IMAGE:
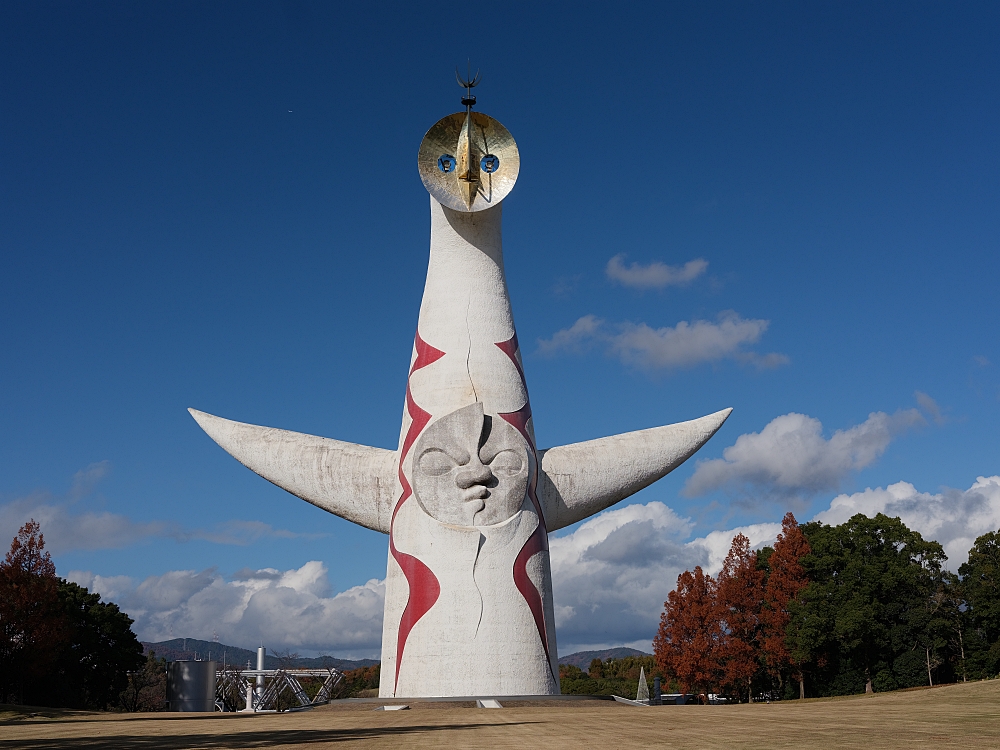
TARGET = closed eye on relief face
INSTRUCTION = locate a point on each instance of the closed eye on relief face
(436, 463)
(506, 462)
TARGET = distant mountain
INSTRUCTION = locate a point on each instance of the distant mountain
(191, 648)
(582, 659)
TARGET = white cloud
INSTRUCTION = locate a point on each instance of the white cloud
(930, 407)
(613, 573)
(952, 517)
(240, 532)
(655, 275)
(791, 457)
(65, 530)
(292, 609)
(611, 576)
(717, 543)
(85, 480)
(110, 588)
(688, 344)
(582, 332)
(684, 345)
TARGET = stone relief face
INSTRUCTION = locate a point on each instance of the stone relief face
(470, 469)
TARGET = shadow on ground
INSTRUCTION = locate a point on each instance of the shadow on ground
(248, 739)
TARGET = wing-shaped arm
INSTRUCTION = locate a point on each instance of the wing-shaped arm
(582, 479)
(351, 481)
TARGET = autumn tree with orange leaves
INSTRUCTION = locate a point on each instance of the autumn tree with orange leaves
(719, 634)
(740, 592)
(687, 644)
(32, 622)
(785, 582)
(863, 606)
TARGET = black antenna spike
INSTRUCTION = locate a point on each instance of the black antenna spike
(468, 83)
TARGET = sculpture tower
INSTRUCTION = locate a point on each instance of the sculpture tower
(467, 499)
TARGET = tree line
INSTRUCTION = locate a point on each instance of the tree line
(866, 606)
(608, 677)
(61, 646)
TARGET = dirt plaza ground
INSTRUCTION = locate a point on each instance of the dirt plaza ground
(959, 716)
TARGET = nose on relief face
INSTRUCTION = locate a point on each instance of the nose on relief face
(470, 469)
(474, 474)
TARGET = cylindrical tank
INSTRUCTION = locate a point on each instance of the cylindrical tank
(191, 686)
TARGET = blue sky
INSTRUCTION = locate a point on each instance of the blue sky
(217, 205)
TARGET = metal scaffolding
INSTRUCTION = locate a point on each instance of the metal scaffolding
(259, 689)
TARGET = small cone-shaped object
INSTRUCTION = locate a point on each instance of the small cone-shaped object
(642, 694)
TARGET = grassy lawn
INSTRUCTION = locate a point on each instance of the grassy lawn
(959, 716)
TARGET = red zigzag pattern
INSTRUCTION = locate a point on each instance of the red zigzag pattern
(539, 539)
(424, 588)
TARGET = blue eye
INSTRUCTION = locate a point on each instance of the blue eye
(446, 163)
(490, 163)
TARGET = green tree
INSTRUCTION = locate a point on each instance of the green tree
(941, 628)
(611, 677)
(981, 591)
(865, 611)
(101, 650)
(596, 669)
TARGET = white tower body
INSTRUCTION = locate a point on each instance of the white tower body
(468, 608)
(467, 499)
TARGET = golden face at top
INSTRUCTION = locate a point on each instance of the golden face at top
(468, 161)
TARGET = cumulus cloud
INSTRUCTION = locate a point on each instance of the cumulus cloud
(109, 587)
(717, 543)
(953, 517)
(655, 275)
(684, 345)
(291, 609)
(790, 456)
(611, 576)
(613, 573)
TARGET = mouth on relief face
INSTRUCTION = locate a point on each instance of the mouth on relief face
(474, 493)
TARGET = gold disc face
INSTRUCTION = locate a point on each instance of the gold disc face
(468, 173)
